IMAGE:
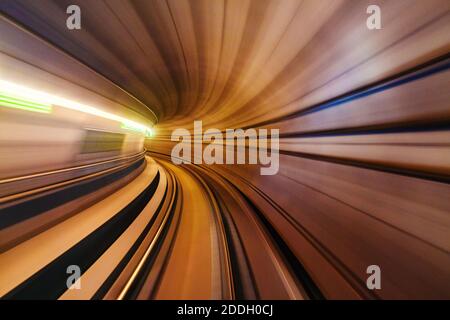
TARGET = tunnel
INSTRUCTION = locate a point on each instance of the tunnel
(224, 149)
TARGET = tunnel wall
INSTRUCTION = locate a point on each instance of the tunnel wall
(363, 118)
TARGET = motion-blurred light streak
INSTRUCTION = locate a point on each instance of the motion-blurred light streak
(44, 98)
(11, 102)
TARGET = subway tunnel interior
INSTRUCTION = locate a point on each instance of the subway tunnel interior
(348, 174)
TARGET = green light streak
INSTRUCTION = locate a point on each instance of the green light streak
(21, 101)
(24, 107)
(149, 133)
(146, 131)
(16, 103)
(13, 103)
(133, 128)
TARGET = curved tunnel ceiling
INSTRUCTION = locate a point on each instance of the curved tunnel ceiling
(240, 63)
